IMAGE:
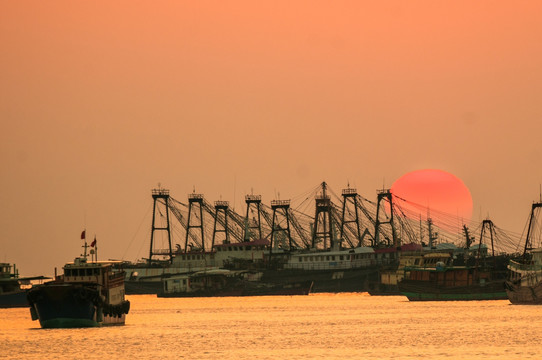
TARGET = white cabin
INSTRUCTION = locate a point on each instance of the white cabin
(359, 257)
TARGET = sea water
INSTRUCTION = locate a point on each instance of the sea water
(324, 326)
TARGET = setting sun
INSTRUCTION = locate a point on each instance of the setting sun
(436, 190)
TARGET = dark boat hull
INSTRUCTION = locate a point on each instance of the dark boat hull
(14, 299)
(69, 306)
(524, 295)
(324, 281)
(327, 281)
(421, 291)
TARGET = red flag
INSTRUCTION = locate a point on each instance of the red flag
(83, 235)
(92, 244)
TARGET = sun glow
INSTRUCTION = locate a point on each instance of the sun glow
(433, 191)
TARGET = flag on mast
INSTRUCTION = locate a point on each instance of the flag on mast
(92, 244)
(83, 235)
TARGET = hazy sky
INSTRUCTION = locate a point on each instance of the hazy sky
(102, 100)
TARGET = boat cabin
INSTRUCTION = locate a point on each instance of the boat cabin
(99, 272)
(451, 276)
(527, 274)
(356, 258)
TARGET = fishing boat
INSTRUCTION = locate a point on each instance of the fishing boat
(444, 283)
(222, 282)
(13, 289)
(524, 283)
(330, 270)
(87, 294)
(478, 276)
(410, 255)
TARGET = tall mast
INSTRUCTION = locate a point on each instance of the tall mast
(253, 201)
(528, 241)
(280, 207)
(382, 195)
(322, 220)
(350, 194)
(160, 196)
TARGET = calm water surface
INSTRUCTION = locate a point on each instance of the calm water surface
(326, 326)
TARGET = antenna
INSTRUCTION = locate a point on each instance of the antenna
(234, 189)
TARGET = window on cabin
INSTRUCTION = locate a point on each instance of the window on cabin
(300, 259)
(341, 257)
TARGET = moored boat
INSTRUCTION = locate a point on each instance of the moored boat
(411, 255)
(524, 282)
(222, 282)
(87, 294)
(478, 275)
(445, 283)
(13, 289)
(524, 285)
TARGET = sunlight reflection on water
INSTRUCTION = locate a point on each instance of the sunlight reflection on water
(330, 326)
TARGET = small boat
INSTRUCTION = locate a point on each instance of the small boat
(13, 289)
(87, 294)
(223, 282)
(524, 283)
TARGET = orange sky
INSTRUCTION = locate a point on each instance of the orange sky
(100, 101)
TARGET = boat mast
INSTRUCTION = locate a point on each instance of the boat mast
(322, 218)
(253, 201)
(85, 246)
(280, 207)
(350, 194)
(193, 200)
(385, 194)
(487, 224)
(221, 212)
(432, 235)
(157, 195)
(528, 242)
(468, 239)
